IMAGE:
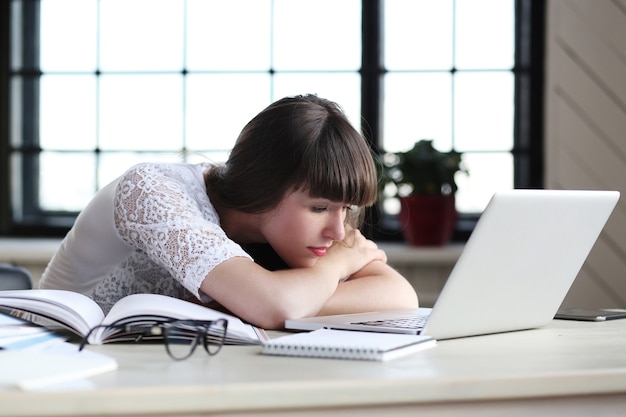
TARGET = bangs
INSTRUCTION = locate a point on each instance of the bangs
(339, 167)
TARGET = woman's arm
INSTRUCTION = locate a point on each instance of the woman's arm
(375, 287)
(267, 298)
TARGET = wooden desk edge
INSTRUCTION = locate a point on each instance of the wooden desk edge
(240, 397)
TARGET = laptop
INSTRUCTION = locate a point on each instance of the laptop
(513, 274)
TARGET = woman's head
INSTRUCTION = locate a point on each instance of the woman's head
(301, 143)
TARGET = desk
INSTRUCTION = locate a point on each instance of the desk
(565, 368)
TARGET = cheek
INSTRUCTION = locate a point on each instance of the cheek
(283, 230)
(295, 232)
(290, 237)
(294, 222)
(286, 225)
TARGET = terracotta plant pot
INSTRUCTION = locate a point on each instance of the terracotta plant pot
(428, 220)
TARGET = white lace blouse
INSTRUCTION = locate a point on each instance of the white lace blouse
(153, 230)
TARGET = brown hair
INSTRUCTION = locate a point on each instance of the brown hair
(302, 142)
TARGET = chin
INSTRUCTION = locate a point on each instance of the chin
(302, 263)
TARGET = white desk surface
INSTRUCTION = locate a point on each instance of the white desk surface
(565, 368)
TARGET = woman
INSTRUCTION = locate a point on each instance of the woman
(295, 182)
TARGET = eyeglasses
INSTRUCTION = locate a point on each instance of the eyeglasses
(179, 336)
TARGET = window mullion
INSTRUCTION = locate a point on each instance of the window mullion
(371, 70)
(28, 96)
(5, 180)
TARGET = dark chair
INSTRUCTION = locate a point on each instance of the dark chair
(14, 278)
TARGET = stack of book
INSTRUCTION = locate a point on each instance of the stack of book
(33, 357)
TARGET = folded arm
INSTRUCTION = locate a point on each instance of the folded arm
(266, 298)
(375, 287)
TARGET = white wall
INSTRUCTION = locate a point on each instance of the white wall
(585, 129)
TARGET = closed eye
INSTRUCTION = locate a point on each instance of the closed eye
(321, 209)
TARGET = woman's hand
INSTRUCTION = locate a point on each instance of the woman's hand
(353, 253)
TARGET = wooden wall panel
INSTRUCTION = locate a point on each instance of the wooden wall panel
(586, 129)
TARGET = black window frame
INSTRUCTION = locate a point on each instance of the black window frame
(528, 122)
(528, 125)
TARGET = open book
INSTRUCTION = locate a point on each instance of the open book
(79, 313)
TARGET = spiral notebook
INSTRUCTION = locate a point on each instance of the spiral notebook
(348, 344)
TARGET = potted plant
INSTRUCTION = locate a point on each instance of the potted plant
(423, 179)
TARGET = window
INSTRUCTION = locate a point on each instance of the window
(96, 86)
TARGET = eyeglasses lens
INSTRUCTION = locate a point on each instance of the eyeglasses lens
(214, 336)
(181, 339)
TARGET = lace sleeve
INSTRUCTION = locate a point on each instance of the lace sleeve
(165, 213)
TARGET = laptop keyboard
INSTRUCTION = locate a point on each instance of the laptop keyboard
(415, 322)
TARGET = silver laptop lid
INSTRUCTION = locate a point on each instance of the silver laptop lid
(520, 261)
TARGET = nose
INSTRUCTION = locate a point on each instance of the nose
(335, 228)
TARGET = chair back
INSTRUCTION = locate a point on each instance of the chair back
(14, 278)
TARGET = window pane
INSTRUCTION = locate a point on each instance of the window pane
(141, 112)
(344, 89)
(67, 181)
(488, 173)
(317, 35)
(68, 35)
(215, 114)
(17, 118)
(206, 156)
(228, 35)
(16, 45)
(67, 112)
(483, 111)
(485, 31)
(141, 35)
(418, 34)
(417, 106)
(112, 165)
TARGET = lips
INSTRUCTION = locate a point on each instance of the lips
(319, 251)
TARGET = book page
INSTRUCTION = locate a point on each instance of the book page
(24, 369)
(20, 334)
(74, 310)
(142, 305)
